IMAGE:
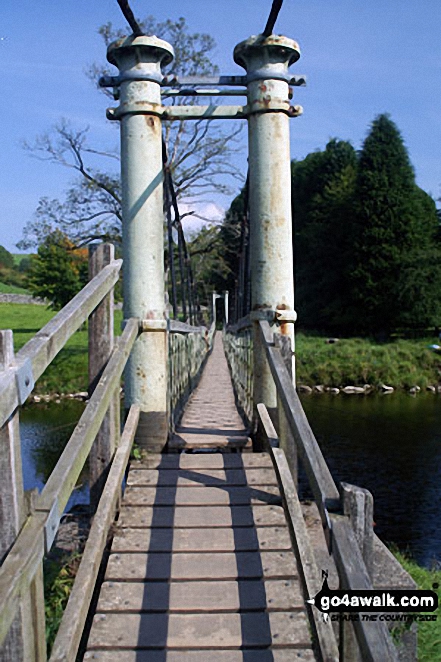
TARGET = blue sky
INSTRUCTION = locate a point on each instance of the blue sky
(361, 59)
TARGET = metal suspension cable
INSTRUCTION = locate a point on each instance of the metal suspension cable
(130, 18)
(272, 18)
(187, 281)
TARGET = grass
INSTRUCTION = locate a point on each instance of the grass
(12, 289)
(357, 361)
(351, 361)
(429, 633)
(59, 576)
(68, 371)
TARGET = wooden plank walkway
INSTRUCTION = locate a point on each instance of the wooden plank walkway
(201, 567)
(211, 419)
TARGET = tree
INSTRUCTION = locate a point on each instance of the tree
(396, 278)
(58, 271)
(6, 259)
(322, 201)
(199, 157)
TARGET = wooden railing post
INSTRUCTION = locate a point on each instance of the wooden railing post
(101, 343)
(26, 638)
(358, 505)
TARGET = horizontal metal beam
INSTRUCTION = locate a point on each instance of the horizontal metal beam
(172, 81)
(208, 92)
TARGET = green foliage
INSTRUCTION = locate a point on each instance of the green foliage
(6, 258)
(322, 199)
(5, 288)
(68, 371)
(396, 274)
(358, 361)
(59, 577)
(429, 633)
(58, 272)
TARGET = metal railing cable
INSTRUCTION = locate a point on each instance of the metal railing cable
(189, 296)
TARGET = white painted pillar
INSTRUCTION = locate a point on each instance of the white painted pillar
(139, 61)
(266, 61)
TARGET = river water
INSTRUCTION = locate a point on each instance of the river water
(389, 444)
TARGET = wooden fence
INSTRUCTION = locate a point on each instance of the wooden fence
(27, 533)
(346, 511)
(189, 347)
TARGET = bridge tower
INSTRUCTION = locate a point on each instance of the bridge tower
(266, 61)
(139, 60)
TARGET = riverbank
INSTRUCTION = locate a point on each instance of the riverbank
(366, 365)
(429, 632)
(349, 362)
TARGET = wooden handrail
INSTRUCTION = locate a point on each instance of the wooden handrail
(37, 354)
(22, 562)
(322, 484)
(309, 572)
(181, 327)
(74, 617)
(373, 637)
(55, 495)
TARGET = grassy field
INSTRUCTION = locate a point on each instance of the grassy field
(68, 372)
(12, 289)
(358, 361)
(429, 633)
(353, 361)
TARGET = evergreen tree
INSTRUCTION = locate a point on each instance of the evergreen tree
(396, 274)
(322, 194)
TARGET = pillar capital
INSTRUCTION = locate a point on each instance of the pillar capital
(266, 58)
(140, 58)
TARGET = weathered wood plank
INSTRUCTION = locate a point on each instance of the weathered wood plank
(305, 555)
(204, 461)
(101, 343)
(201, 496)
(358, 505)
(300, 538)
(244, 655)
(372, 636)
(243, 539)
(199, 596)
(319, 476)
(46, 344)
(181, 327)
(221, 440)
(201, 477)
(187, 566)
(71, 628)
(204, 517)
(63, 478)
(19, 569)
(187, 631)
(12, 507)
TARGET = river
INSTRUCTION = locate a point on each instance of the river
(389, 444)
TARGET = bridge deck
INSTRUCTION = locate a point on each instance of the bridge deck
(211, 419)
(201, 566)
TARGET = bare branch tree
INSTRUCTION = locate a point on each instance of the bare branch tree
(201, 153)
